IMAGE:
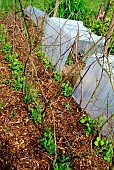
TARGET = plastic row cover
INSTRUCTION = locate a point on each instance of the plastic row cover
(36, 15)
(59, 36)
(94, 90)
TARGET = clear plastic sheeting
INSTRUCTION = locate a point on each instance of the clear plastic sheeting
(56, 43)
(36, 15)
(94, 90)
(60, 35)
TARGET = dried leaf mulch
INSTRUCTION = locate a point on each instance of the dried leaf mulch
(20, 147)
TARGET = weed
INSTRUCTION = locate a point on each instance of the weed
(17, 68)
(34, 94)
(35, 113)
(61, 164)
(100, 28)
(50, 6)
(16, 73)
(27, 96)
(15, 65)
(24, 29)
(67, 106)
(67, 89)
(6, 6)
(57, 77)
(104, 148)
(97, 26)
(47, 141)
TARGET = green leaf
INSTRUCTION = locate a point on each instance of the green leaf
(96, 143)
(102, 142)
(98, 139)
(108, 159)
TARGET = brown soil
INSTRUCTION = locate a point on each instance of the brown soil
(20, 148)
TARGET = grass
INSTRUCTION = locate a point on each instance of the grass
(6, 5)
(93, 5)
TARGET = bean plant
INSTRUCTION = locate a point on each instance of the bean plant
(61, 164)
(47, 141)
(103, 146)
(57, 77)
(36, 115)
(66, 89)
